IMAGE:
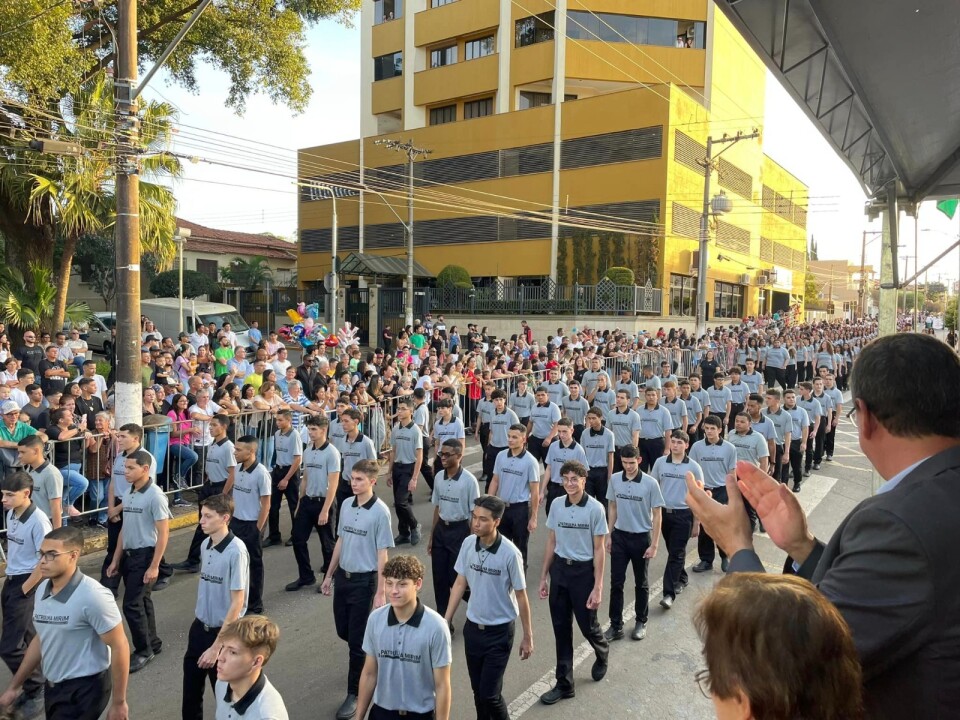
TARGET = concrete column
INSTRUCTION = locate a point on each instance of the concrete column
(888, 298)
(505, 40)
(559, 87)
(374, 305)
(341, 309)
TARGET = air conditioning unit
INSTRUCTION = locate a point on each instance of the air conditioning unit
(763, 279)
(745, 279)
(772, 276)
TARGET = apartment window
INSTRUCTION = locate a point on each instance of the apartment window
(387, 10)
(534, 29)
(441, 115)
(567, 97)
(478, 108)
(683, 295)
(388, 66)
(612, 27)
(209, 268)
(443, 56)
(727, 300)
(438, 3)
(530, 99)
(480, 47)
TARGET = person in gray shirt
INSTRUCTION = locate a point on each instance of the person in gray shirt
(676, 406)
(752, 378)
(836, 397)
(575, 407)
(521, 401)
(556, 389)
(447, 427)
(251, 497)
(721, 399)
(694, 410)
(516, 476)
(751, 446)
(717, 459)
(285, 475)
(355, 447)
(242, 689)
(574, 562)
(47, 480)
(598, 447)
(783, 428)
(775, 365)
(500, 421)
(799, 437)
(604, 396)
(406, 457)
(560, 452)
(591, 377)
(648, 380)
(543, 424)
(626, 383)
(815, 414)
(140, 548)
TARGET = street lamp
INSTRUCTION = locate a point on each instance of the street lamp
(180, 238)
(719, 205)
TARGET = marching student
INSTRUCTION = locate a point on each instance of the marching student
(251, 499)
(627, 384)
(521, 401)
(80, 645)
(557, 391)
(739, 391)
(783, 433)
(565, 449)
(407, 668)
(484, 409)
(836, 396)
(717, 459)
(542, 428)
(406, 457)
(624, 422)
(490, 567)
(242, 690)
(721, 399)
(47, 481)
(694, 410)
(285, 476)
(598, 448)
(221, 599)
(354, 447)
(798, 436)
(501, 419)
(814, 415)
(575, 407)
(703, 396)
(140, 547)
(454, 491)
(421, 418)
(674, 405)
(357, 564)
(752, 379)
(446, 427)
(516, 475)
(656, 423)
(572, 577)
(317, 508)
(635, 517)
(826, 420)
(27, 525)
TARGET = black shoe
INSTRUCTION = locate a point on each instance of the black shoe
(298, 584)
(796, 487)
(270, 542)
(599, 669)
(415, 535)
(186, 566)
(348, 708)
(138, 662)
(724, 564)
(160, 584)
(401, 540)
(666, 602)
(614, 632)
(639, 631)
(288, 543)
(702, 566)
(158, 649)
(556, 694)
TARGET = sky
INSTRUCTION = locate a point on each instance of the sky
(266, 201)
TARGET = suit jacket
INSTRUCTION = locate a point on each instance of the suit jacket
(893, 571)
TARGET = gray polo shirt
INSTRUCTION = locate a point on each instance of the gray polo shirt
(499, 425)
(801, 421)
(835, 396)
(24, 536)
(262, 702)
(693, 407)
(484, 409)
(318, 463)
(716, 460)
(119, 473)
(220, 458)
(249, 485)
(826, 402)
(576, 410)
(224, 568)
(750, 447)
(575, 525)
(597, 445)
(590, 380)
(452, 430)
(764, 427)
(631, 387)
(813, 408)
(678, 412)
(543, 418)
(623, 425)
(719, 397)
(650, 383)
(739, 392)
(353, 452)
(752, 380)
(605, 400)
(454, 496)
(522, 405)
(654, 423)
(777, 357)
(47, 485)
(70, 624)
(421, 418)
(288, 445)
(557, 392)
(636, 498)
(142, 510)
(364, 530)
(557, 455)
(515, 473)
(493, 574)
(407, 653)
(673, 479)
(704, 397)
(405, 440)
(782, 423)
(336, 434)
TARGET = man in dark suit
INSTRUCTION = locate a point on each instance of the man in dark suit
(891, 566)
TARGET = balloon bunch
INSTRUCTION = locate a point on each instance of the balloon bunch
(348, 335)
(306, 332)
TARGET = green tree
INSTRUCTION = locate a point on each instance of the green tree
(195, 284)
(811, 292)
(950, 314)
(620, 275)
(96, 261)
(251, 274)
(27, 302)
(454, 276)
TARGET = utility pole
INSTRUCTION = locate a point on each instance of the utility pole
(863, 280)
(412, 152)
(720, 207)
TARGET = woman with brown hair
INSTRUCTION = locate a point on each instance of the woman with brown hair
(776, 649)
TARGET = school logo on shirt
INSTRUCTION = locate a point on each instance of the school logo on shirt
(354, 530)
(387, 654)
(211, 578)
(51, 619)
(573, 525)
(479, 567)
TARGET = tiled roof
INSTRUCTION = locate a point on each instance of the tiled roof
(240, 244)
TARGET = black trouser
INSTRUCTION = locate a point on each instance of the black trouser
(113, 535)
(425, 469)
(199, 640)
(484, 433)
(536, 448)
(514, 526)
(820, 442)
(706, 548)
(775, 375)
(489, 460)
(137, 602)
(379, 713)
(791, 376)
(291, 493)
(344, 491)
(488, 649)
(597, 478)
(249, 534)
(208, 489)
(554, 491)
(352, 602)
(808, 454)
(627, 548)
(403, 498)
(734, 409)
(781, 471)
(829, 440)
(577, 432)
(447, 539)
(796, 462)
(306, 521)
(82, 698)
(571, 583)
(650, 450)
(18, 629)
(676, 528)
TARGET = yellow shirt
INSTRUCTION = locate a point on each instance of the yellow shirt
(253, 379)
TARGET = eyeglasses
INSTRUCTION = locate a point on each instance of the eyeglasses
(571, 479)
(52, 555)
(852, 415)
(703, 682)
(448, 454)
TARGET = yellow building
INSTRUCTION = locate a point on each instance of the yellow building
(517, 186)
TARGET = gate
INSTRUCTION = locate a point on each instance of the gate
(357, 312)
(391, 311)
(266, 307)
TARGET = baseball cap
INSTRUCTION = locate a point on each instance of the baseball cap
(9, 406)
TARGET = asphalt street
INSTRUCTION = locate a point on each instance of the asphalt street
(653, 678)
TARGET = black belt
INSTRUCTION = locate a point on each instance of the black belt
(519, 504)
(478, 626)
(138, 551)
(84, 679)
(209, 628)
(572, 563)
(399, 464)
(671, 511)
(315, 497)
(357, 575)
(452, 523)
(628, 532)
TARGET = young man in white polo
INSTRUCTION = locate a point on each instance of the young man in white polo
(718, 461)
(516, 480)
(405, 460)
(251, 499)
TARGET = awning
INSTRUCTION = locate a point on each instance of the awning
(367, 264)
(879, 78)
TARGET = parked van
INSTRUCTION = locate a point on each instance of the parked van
(164, 312)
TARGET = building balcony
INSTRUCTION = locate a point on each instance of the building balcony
(532, 63)
(462, 79)
(622, 62)
(464, 17)
(387, 95)
(387, 37)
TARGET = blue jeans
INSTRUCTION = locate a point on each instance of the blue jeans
(75, 484)
(98, 497)
(182, 459)
(265, 452)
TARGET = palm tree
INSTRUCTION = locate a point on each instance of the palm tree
(66, 196)
(29, 305)
(249, 274)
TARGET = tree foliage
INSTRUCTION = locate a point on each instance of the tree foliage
(195, 284)
(620, 275)
(96, 260)
(251, 274)
(454, 276)
(950, 313)
(27, 302)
